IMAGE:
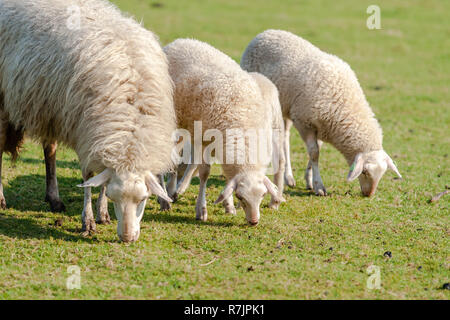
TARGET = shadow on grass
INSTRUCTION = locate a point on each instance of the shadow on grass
(59, 163)
(216, 181)
(26, 228)
(298, 192)
(173, 217)
(27, 193)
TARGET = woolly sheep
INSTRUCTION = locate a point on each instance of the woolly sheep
(212, 88)
(270, 95)
(321, 95)
(102, 88)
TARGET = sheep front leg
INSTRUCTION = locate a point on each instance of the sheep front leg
(228, 204)
(313, 146)
(87, 217)
(102, 207)
(279, 175)
(309, 171)
(52, 192)
(163, 204)
(201, 212)
(288, 175)
(183, 184)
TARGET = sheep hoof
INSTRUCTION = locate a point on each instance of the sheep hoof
(57, 206)
(201, 214)
(321, 192)
(274, 205)
(103, 218)
(3, 203)
(230, 210)
(164, 205)
(88, 227)
(174, 197)
(290, 181)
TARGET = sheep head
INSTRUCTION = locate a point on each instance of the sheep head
(250, 188)
(129, 193)
(369, 167)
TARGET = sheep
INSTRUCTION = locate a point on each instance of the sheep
(102, 88)
(212, 88)
(321, 95)
(270, 95)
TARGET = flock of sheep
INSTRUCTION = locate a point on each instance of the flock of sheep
(110, 92)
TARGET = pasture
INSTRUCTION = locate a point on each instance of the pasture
(312, 248)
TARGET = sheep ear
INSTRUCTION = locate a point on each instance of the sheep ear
(155, 188)
(356, 168)
(98, 180)
(391, 165)
(273, 190)
(227, 192)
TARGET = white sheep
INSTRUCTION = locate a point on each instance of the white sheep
(321, 95)
(212, 88)
(270, 95)
(97, 82)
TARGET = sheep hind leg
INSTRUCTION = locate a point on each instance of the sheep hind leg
(52, 192)
(201, 212)
(87, 217)
(102, 207)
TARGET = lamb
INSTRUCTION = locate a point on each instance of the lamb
(212, 88)
(321, 95)
(103, 89)
(270, 95)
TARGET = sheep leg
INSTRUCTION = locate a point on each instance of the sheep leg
(3, 129)
(102, 207)
(87, 217)
(52, 192)
(2, 197)
(201, 213)
(163, 204)
(313, 145)
(288, 175)
(279, 175)
(185, 181)
(309, 170)
(172, 183)
(228, 204)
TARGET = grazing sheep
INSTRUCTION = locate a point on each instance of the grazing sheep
(101, 87)
(321, 95)
(270, 95)
(212, 88)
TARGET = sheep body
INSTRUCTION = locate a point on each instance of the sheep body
(81, 73)
(212, 88)
(321, 95)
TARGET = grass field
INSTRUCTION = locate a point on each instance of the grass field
(312, 248)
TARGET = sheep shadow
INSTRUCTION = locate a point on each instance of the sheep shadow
(172, 217)
(26, 228)
(27, 193)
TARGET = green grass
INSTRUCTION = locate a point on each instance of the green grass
(313, 248)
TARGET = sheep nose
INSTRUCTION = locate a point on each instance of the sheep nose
(128, 238)
(253, 223)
